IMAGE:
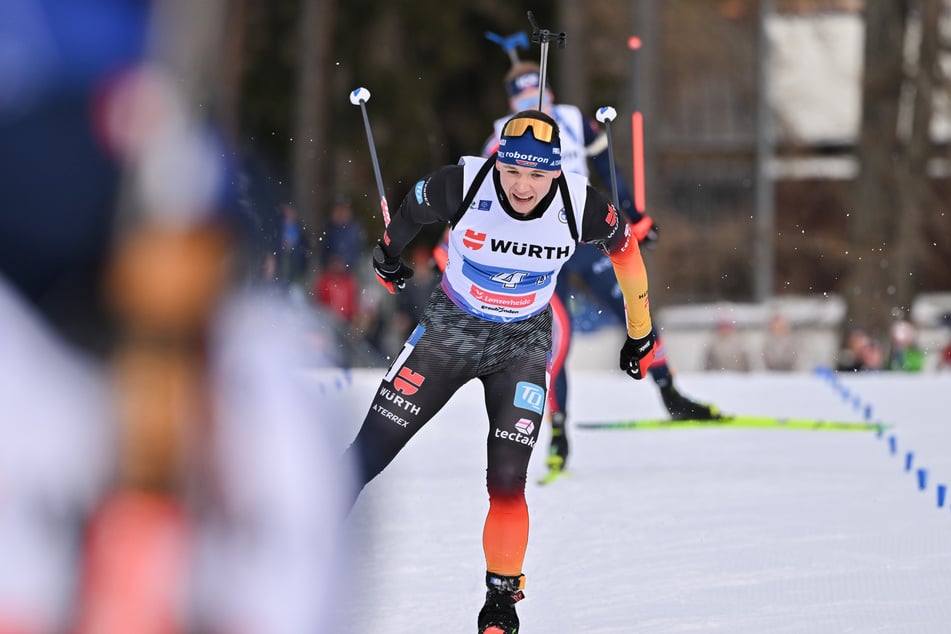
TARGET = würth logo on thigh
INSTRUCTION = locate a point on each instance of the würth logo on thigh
(408, 382)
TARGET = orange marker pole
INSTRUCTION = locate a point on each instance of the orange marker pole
(637, 135)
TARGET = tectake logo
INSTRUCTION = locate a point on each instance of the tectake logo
(522, 435)
(525, 426)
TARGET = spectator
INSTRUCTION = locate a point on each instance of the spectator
(344, 235)
(412, 300)
(725, 351)
(293, 254)
(944, 363)
(905, 355)
(861, 353)
(336, 289)
(370, 329)
(780, 349)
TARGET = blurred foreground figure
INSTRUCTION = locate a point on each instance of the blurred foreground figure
(163, 468)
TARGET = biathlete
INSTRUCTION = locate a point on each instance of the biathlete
(583, 140)
(514, 220)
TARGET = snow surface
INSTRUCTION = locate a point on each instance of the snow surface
(691, 530)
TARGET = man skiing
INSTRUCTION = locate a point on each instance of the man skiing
(581, 140)
(514, 220)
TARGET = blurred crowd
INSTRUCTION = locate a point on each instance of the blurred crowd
(331, 274)
(901, 353)
(779, 351)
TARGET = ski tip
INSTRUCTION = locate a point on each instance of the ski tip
(552, 476)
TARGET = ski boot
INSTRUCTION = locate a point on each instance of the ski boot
(682, 408)
(498, 615)
(558, 449)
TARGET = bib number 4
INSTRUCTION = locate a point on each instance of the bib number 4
(509, 279)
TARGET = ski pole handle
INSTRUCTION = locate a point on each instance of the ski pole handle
(543, 37)
(359, 97)
(606, 115)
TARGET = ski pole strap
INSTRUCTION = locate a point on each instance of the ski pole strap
(569, 210)
(473, 189)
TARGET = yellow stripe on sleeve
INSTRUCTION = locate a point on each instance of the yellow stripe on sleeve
(632, 278)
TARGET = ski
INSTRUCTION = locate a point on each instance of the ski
(750, 422)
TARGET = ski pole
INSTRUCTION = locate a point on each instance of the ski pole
(606, 115)
(359, 97)
(510, 44)
(544, 37)
(637, 134)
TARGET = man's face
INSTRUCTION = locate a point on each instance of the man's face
(528, 100)
(524, 187)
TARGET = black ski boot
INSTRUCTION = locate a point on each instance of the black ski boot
(498, 615)
(558, 449)
(682, 408)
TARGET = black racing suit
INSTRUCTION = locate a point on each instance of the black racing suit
(451, 346)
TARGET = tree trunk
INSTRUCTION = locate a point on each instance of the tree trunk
(234, 47)
(914, 190)
(570, 79)
(868, 290)
(311, 188)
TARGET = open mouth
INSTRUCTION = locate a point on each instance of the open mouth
(522, 199)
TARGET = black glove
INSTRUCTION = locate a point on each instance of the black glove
(637, 355)
(391, 272)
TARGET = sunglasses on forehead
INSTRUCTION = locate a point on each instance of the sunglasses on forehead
(541, 130)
